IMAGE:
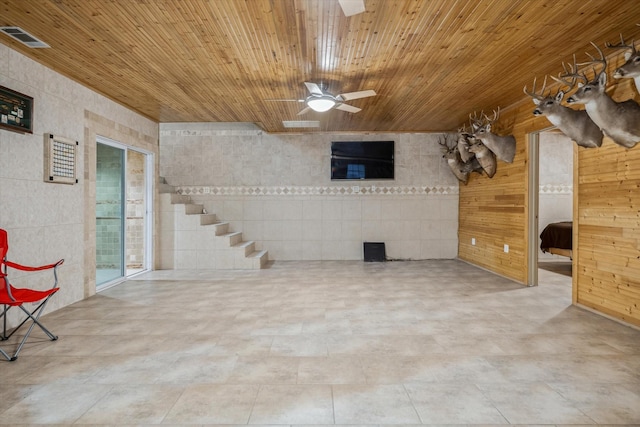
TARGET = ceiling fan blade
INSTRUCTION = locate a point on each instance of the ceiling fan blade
(304, 111)
(347, 107)
(356, 95)
(351, 7)
(313, 88)
(285, 100)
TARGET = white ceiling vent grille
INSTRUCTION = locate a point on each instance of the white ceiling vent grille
(301, 123)
(23, 37)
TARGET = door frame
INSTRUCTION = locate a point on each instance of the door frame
(148, 209)
(533, 209)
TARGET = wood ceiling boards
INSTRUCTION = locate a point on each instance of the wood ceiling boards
(430, 62)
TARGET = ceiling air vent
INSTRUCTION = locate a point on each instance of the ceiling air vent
(23, 37)
(301, 123)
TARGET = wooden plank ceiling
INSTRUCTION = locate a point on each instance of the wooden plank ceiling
(431, 62)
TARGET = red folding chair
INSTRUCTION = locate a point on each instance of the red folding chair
(18, 297)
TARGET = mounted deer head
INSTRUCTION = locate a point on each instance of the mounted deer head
(620, 121)
(485, 157)
(504, 147)
(459, 168)
(464, 141)
(575, 124)
(631, 68)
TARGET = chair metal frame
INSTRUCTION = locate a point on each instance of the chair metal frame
(18, 297)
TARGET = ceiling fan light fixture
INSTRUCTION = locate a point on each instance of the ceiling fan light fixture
(321, 103)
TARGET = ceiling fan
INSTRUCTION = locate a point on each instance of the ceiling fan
(321, 101)
(351, 7)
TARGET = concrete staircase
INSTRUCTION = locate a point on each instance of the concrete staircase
(192, 239)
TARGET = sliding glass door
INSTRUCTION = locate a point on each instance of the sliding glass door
(123, 214)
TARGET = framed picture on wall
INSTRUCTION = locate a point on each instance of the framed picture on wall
(16, 111)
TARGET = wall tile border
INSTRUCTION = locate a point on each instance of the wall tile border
(377, 190)
(556, 189)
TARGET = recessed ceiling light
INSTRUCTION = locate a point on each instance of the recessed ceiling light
(301, 123)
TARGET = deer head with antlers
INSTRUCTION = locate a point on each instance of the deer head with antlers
(631, 68)
(620, 121)
(575, 124)
(504, 147)
(464, 142)
(485, 157)
(459, 168)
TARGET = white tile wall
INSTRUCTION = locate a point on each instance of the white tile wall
(48, 221)
(276, 190)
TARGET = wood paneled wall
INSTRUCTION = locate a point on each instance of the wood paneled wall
(606, 215)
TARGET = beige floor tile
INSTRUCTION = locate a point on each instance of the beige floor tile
(534, 403)
(54, 404)
(265, 370)
(453, 404)
(331, 370)
(373, 404)
(213, 404)
(604, 403)
(293, 404)
(198, 369)
(133, 404)
(324, 343)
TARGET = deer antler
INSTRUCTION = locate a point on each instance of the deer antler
(444, 143)
(623, 45)
(496, 115)
(476, 121)
(571, 72)
(533, 93)
(595, 61)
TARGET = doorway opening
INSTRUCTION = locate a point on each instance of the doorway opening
(551, 199)
(123, 212)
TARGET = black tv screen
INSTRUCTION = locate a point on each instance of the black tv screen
(362, 160)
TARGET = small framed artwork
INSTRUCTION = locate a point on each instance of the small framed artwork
(60, 157)
(16, 111)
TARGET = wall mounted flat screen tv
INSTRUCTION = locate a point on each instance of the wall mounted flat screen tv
(362, 160)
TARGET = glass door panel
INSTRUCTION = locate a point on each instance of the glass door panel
(109, 214)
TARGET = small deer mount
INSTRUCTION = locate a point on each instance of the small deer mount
(504, 147)
(461, 170)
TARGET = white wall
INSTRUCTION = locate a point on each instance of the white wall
(47, 221)
(277, 190)
(556, 184)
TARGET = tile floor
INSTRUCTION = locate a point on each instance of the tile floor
(327, 343)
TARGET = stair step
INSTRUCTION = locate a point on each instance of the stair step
(193, 209)
(163, 187)
(234, 237)
(258, 259)
(208, 219)
(257, 254)
(222, 228)
(180, 199)
(248, 246)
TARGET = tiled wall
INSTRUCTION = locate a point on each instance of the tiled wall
(48, 221)
(556, 184)
(276, 189)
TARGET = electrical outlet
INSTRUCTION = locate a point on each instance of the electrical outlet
(473, 241)
(355, 188)
(506, 249)
(373, 188)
